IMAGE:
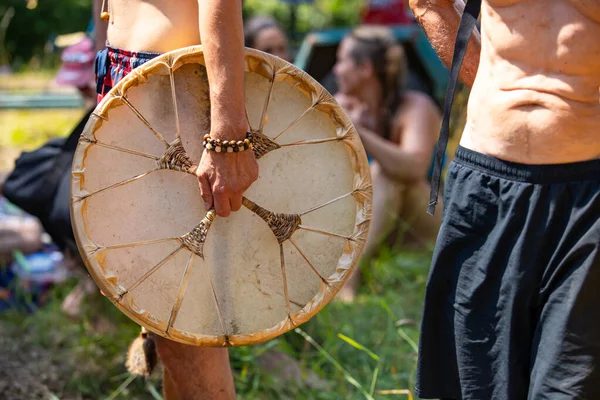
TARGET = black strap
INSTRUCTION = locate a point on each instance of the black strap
(465, 29)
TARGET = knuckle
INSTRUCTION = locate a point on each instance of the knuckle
(221, 190)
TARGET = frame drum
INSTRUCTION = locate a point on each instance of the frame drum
(188, 275)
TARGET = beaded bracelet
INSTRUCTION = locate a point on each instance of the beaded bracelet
(227, 146)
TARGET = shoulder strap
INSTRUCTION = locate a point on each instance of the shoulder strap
(467, 23)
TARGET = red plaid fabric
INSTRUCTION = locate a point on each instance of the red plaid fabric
(113, 64)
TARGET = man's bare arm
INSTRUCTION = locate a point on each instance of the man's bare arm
(440, 20)
(223, 177)
(100, 27)
(221, 32)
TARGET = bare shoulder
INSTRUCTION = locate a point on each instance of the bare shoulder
(416, 102)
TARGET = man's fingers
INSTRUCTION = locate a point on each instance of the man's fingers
(222, 205)
(236, 202)
(205, 192)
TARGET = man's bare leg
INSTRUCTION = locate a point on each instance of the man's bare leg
(195, 373)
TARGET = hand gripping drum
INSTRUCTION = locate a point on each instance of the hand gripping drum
(186, 274)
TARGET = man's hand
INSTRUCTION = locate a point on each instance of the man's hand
(223, 178)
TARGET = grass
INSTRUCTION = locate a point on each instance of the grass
(31, 80)
(26, 130)
(364, 350)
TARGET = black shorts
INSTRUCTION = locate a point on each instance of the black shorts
(512, 307)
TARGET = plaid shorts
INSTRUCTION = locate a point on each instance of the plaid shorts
(113, 64)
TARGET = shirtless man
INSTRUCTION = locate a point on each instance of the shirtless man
(138, 31)
(512, 297)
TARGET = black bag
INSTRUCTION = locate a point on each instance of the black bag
(40, 185)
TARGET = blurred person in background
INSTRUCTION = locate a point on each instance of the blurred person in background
(17, 231)
(398, 129)
(264, 33)
(77, 70)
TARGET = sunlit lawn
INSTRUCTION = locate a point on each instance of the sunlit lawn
(362, 350)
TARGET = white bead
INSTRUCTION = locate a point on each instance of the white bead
(230, 149)
(218, 149)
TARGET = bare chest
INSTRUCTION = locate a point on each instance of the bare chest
(586, 8)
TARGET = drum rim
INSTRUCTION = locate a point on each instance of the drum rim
(358, 158)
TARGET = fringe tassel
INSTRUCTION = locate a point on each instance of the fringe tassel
(141, 356)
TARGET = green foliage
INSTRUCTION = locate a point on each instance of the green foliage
(36, 22)
(318, 15)
(29, 129)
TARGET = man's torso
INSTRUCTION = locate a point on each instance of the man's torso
(155, 26)
(536, 97)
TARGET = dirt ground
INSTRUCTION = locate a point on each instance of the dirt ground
(28, 371)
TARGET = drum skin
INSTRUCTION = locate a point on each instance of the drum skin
(189, 275)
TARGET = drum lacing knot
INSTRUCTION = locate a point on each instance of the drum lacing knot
(282, 225)
(194, 240)
(175, 158)
(262, 144)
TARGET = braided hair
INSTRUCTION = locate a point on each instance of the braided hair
(379, 46)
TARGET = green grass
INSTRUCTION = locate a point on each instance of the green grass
(359, 349)
(25, 130)
(362, 350)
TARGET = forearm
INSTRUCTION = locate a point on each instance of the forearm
(398, 164)
(223, 43)
(100, 26)
(440, 20)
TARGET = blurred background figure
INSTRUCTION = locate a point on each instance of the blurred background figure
(77, 70)
(398, 128)
(264, 33)
(29, 263)
(18, 232)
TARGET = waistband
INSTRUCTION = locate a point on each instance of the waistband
(538, 173)
(117, 54)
